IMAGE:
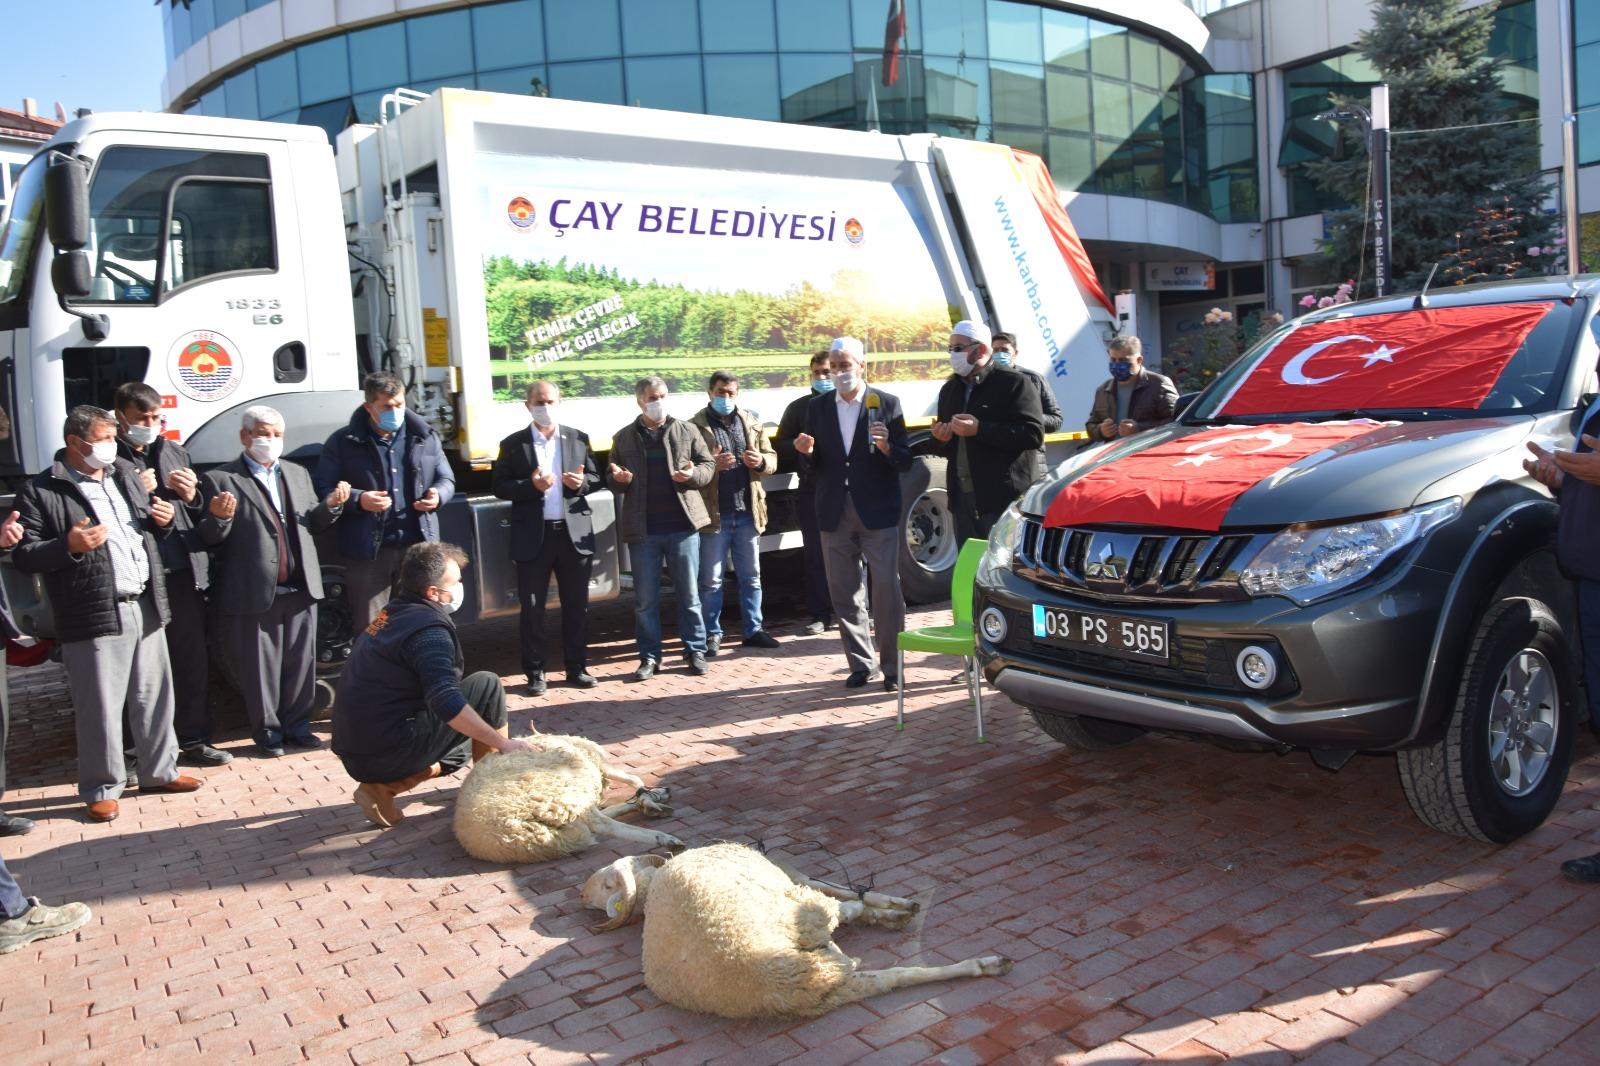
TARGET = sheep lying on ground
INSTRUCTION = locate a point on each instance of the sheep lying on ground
(528, 806)
(727, 931)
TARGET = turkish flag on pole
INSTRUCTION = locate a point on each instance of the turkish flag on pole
(1190, 483)
(894, 31)
(1450, 357)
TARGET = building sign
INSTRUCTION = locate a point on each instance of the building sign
(1167, 276)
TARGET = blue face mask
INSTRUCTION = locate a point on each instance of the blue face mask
(1002, 357)
(722, 405)
(1121, 371)
(391, 419)
(823, 385)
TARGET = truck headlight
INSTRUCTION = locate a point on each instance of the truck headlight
(1309, 564)
(1004, 540)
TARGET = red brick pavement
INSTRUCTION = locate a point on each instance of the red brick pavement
(1167, 901)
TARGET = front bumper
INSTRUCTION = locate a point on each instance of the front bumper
(1351, 668)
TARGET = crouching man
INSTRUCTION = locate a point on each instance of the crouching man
(404, 713)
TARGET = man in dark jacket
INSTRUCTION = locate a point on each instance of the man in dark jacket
(1005, 353)
(658, 467)
(1134, 399)
(1574, 477)
(989, 430)
(262, 516)
(185, 562)
(855, 445)
(90, 528)
(547, 472)
(404, 713)
(818, 606)
(396, 468)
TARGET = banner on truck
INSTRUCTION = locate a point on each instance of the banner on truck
(598, 273)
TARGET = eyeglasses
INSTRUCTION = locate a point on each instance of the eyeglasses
(962, 348)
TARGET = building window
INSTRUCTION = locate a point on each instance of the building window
(737, 26)
(583, 31)
(668, 82)
(440, 46)
(378, 58)
(508, 35)
(660, 27)
(599, 83)
(277, 85)
(1586, 62)
(745, 86)
(324, 68)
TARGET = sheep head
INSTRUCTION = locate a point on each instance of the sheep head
(619, 889)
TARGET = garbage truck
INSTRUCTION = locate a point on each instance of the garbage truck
(474, 242)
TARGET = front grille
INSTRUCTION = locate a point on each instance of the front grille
(1113, 564)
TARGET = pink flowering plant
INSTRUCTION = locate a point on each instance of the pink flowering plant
(1195, 360)
(1342, 295)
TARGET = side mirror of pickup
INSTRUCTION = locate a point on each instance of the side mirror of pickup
(66, 202)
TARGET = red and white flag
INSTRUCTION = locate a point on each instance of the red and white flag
(1450, 357)
(1190, 482)
(894, 31)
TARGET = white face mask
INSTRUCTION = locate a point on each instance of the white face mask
(655, 411)
(101, 455)
(141, 436)
(958, 363)
(540, 413)
(453, 604)
(846, 381)
(265, 450)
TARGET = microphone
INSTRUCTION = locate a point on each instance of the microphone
(873, 403)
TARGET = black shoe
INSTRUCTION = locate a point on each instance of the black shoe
(760, 639)
(1585, 870)
(815, 627)
(582, 679)
(268, 751)
(697, 663)
(713, 645)
(536, 684)
(859, 678)
(203, 755)
(130, 775)
(647, 670)
(891, 682)
(305, 742)
(13, 826)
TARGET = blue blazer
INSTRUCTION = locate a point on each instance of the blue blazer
(870, 477)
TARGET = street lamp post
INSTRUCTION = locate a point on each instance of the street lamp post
(1375, 123)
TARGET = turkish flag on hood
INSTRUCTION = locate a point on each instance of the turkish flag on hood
(1190, 482)
(1450, 357)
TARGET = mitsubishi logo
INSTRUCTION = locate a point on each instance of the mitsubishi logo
(1105, 564)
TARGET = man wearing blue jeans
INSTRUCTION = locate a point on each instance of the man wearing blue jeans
(737, 504)
(24, 920)
(658, 467)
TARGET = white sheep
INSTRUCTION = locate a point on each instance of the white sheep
(529, 806)
(727, 931)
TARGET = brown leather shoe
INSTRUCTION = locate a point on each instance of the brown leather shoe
(177, 784)
(103, 811)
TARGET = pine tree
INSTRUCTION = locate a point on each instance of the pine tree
(1434, 56)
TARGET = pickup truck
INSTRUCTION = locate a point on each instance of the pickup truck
(1334, 548)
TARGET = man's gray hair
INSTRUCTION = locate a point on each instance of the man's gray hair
(381, 383)
(1127, 344)
(537, 385)
(260, 415)
(644, 385)
(83, 418)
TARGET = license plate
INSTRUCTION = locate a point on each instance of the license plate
(1111, 634)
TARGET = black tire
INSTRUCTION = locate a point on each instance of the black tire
(1084, 733)
(1454, 785)
(928, 546)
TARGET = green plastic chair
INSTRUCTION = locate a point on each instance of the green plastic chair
(955, 639)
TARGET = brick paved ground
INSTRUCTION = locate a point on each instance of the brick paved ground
(1168, 900)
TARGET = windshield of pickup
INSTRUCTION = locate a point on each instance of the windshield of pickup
(1444, 362)
(20, 232)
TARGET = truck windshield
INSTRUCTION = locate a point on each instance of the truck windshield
(1456, 361)
(20, 234)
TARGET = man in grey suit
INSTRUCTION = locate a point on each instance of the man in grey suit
(261, 514)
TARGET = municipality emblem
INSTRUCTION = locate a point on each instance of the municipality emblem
(205, 366)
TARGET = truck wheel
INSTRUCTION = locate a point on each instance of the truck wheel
(928, 550)
(1084, 733)
(1500, 767)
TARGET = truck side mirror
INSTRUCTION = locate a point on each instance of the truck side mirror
(69, 273)
(66, 202)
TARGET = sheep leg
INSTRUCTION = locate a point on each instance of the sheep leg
(601, 824)
(875, 900)
(613, 776)
(853, 910)
(864, 983)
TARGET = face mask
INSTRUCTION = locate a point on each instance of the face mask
(722, 405)
(140, 436)
(1121, 371)
(655, 411)
(265, 450)
(846, 381)
(101, 455)
(453, 604)
(391, 419)
(541, 414)
(958, 363)
(1002, 357)
(822, 385)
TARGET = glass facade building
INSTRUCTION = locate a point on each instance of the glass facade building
(1111, 109)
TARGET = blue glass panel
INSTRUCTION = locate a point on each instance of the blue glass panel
(742, 86)
(182, 33)
(167, 30)
(659, 27)
(1014, 32)
(1108, 49)
(202, 18)
(239, 95)
(251, 5)
(813, 25)
(324, 70)
(276, 85)
(1588, 70)
(518, 81)
(957, 97)
(1067, 100)
(598, 82)
(1071, 160)
(1066, 40)
(440, 46)
(737, 26)
(1018, 93)
(227, 10)
(870, 22)
(1585, 21)
(508, 35)
(817, 89)
(212, 104)
(955, 27)
(378, 58)
(586, 30)
(668, 82)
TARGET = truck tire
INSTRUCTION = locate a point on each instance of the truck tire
(928, 548)
(1499, 769)
(1085, 733)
